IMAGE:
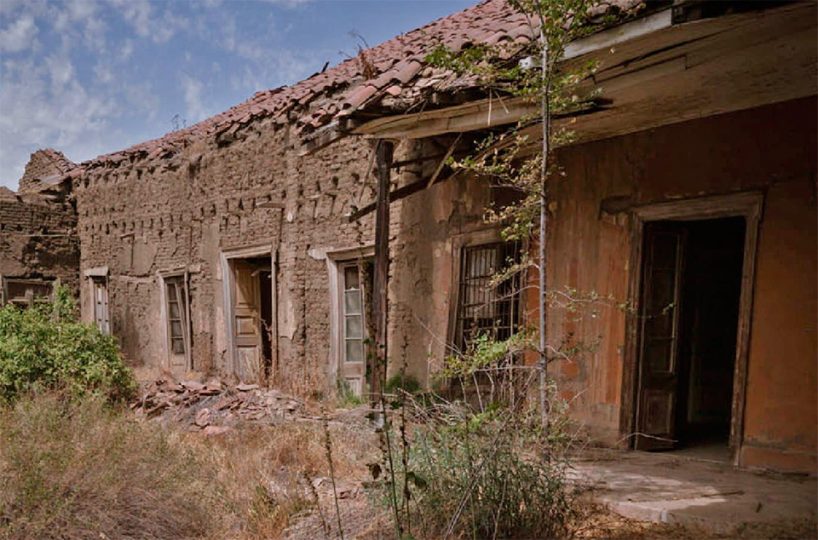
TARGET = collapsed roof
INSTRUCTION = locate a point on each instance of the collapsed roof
(392, 76)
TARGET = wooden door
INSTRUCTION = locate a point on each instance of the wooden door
(659, 335)
(246, 322)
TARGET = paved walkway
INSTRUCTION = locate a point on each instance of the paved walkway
(665, 488)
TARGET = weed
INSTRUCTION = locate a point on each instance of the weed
(80, 469)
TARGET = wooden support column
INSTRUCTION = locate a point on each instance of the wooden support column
(383, 159)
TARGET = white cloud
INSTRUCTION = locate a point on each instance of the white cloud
(192, 89)
(126, 51)
(20, 35)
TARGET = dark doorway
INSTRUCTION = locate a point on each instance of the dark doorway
(691, 286)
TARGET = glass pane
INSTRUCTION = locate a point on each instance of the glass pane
(352, 302)
(354, 351)
(173, 310)
(175, 329)
(351, 277)
(354, 327)
(178, 346)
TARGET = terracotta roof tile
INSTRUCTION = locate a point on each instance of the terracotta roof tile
(343, 89)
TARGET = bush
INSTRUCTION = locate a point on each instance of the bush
(79, 468)
(45, 346)
(488, 479)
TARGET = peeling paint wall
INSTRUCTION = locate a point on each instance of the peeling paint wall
(770, 149)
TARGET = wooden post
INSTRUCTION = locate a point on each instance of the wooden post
(383, 160)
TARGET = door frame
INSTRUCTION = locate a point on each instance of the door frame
(162, 277)
(228, 285)
(335, 260)
(750, 206)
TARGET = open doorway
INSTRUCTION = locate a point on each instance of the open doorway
(252, 317)
(691, 283)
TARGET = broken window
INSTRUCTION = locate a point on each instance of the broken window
(24, 292)
(99, 293)
(177, 314)
(485, 306)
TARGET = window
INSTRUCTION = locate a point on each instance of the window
(99, 293)
(353, 314)
(485, 308)
(24, 292)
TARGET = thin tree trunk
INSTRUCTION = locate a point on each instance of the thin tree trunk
(546, 132)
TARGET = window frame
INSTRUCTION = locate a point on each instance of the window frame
(494, 303)
(338, 368)
(29, 299)
(100, 283)
(459, 243)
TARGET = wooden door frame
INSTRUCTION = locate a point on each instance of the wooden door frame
(162, 277)
(228, 285)
(335, 260)
(748, 205)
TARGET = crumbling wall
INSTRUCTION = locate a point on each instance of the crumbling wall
(143, 215)
(44, 165)
(38, 237)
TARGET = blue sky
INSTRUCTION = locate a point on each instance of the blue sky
(92, 76)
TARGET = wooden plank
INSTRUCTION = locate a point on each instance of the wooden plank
(383, 160)
(678, 73)
(396, 195)
(478, 115)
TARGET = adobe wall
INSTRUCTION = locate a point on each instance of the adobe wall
(771, 149)
(145, 216)
(142, 216)
(38, 238)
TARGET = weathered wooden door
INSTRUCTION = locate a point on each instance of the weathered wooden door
(659, 335)
(246, 322)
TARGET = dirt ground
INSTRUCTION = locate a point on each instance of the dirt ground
(274, 451)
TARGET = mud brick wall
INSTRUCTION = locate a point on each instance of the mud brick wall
(38, 239)
(142, 216)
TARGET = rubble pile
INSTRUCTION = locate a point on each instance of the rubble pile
(215, 407)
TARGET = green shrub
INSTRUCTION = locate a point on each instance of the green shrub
(455, 472)
(80, 468)
(45, 346)
(485, 480)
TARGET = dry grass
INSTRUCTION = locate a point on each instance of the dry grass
(268, 471)
(80, 470)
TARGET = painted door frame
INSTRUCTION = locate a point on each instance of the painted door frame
(228, 286)
(750, 206)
